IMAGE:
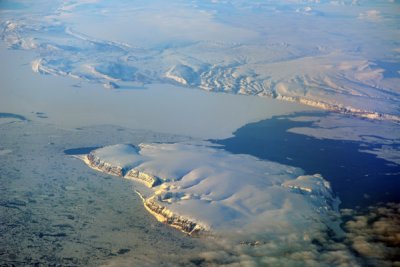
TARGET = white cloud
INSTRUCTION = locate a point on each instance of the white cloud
(372, 15)
(375, 234)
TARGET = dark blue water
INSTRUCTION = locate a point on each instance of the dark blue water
(12, 115)
(390, 68)
(359, 179)
(8, 4)
(79, 151)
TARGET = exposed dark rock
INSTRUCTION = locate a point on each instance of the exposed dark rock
(165, 215)
(123, 251)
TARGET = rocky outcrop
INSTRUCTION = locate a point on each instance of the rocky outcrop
(148, 179)
(97, 163)
(164, 215)
(339, 108)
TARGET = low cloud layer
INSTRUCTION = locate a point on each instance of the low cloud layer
(375, 235)
(372, 238)
(373, 15)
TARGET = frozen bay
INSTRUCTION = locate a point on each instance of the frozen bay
(70, 103)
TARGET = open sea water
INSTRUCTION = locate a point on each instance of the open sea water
(358, 178)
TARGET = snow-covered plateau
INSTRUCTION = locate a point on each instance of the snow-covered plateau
(201, 189)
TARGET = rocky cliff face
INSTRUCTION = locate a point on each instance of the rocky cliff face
(148, 179)
(97, 163)
(163, 214)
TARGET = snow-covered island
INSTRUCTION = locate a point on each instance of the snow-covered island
(200, 189)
